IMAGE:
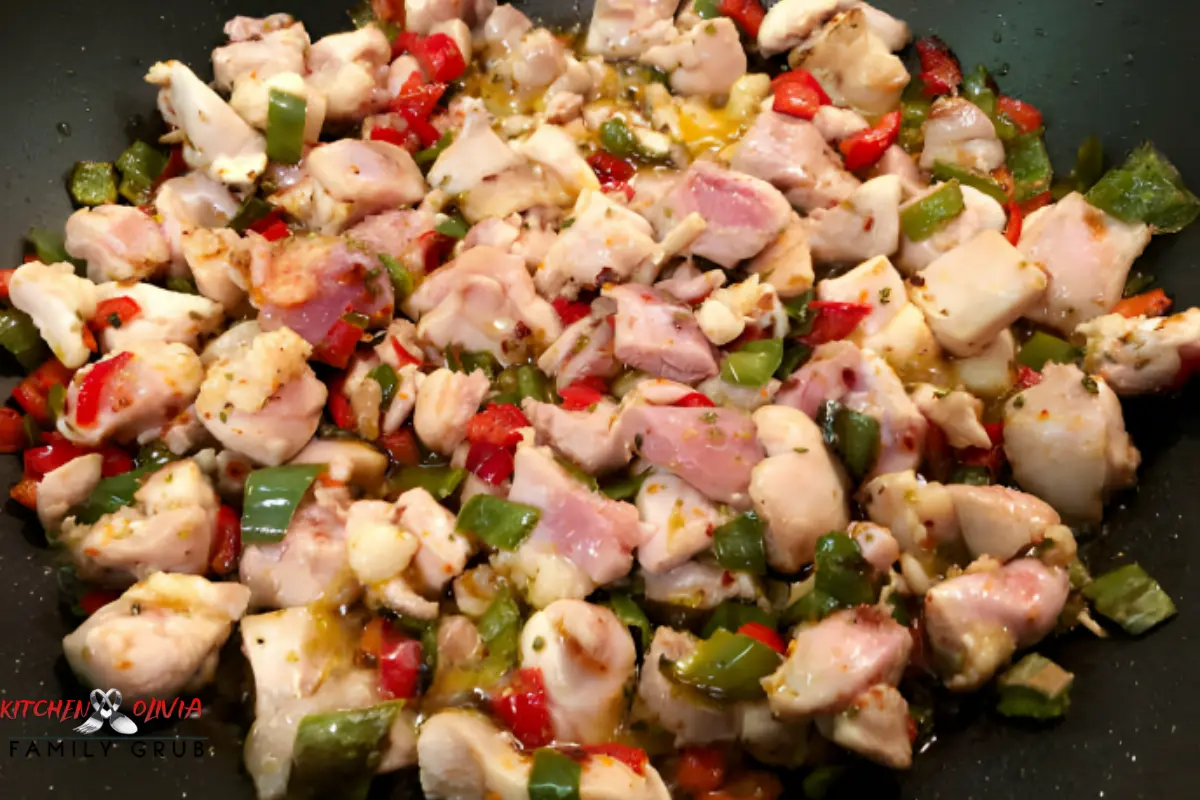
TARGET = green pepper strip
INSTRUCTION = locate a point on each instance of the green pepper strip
(1042, 348)
(972, 476)
(726, 666)
(1147, 188)
(842, 579)
(554, 776)
(616, 138)
(738, 544)
(286, 119)
(402, 279)
(631, 616)
(732, 616)
(914, 110)
(500, 629)
(113, 494)
(454, 226)
(385, 376)
(1030, 166)
(271, 498)
(855, 437)
(976, 87)
(426, 157)
(19, 336)
(795, 355)
(514, 384)
(754, 364)
(252, 210)
(501, 524)
(1131, 598)
(1035, 688)
(625, 488)
(946, 172)
(923, 218)
(93, 183)
(1089, 164)
(439, 481)
(140, 165)
(336, 753)
(48, 246)
(459, 360)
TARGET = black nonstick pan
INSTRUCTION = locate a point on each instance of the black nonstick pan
(71, 89)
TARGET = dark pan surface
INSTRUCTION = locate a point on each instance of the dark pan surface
(1124, 69)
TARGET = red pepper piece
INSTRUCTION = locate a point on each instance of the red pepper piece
(865, 148)
(1153, 303)
(114, 313)
(261, 226)
(798, 94)
(93, 601)
(1016, 223)
(613, 173)
(995, 432)
(6, 278)
(701, 769)
(42, 460)
(834, 321)
(583, 394)
(24, 492)
(695, 400)
(633, 757)
(403, 355)
(399, 665)
(115, 461)
(227, 546)
(439, 57)
(569, 312)
(1027, 377)
(1025, 116)
(278, 231)
(12, 431)
(748, 14)
(401, 446)
(339, 405)
(491, 464)
(497, 425)
(91, 389)
(436, 248)
(768, 636)
(523, 709)
(31, 393)
(940, 71)
(339, 344)
(1037, 201)
(176, 166)
(382, 133)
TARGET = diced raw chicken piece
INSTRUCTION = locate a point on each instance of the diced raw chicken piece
(217, 141)
(536, 61)
(379, 551)
(976, 291)
(981, 213)
(672, 707)
(592, 439)
(831, 663)
(191, 202)
(836, 123)
(475, 154)
(169, 528)
(60, 303)
(957, 413)
(505, 26)
(921, 516)
(119, 243)
(309, 564)
(404, 235)
(627, 28)
(464, 756)
(875, 283)
(347, 460)
(905, 342)
(445, 404)
(370, 176)
(596, 534)
(584, 350)
(63, 488)
(263, 400)
(158, 382)
(895, 161)
(260, 48)
(876, 726)
(729, 311)
(607, 244)
(706, 60)
(557, 152)
(863, 382)
(458, 31)
(444, 553)
(1087, 254)
(959, 132)
(1142, 355)
(485, 300)
(1067, 443)
(991, 373)
(251, 99)
(786, 263)
(681, 521)
(659, 337)
(790, 23)
(713, 449)
(790, 154)
(977, 621)
(743, 214)
(164, 316)
(215, 259)
(160, 639)
(351, 69)
(855, 66)
(743, 398)
(587, 659)
(772, 741)
(699, 585)
(799, 490)
(513, 191)
(879, 548)
(421, 16)
(1000, 522)
(894, 32)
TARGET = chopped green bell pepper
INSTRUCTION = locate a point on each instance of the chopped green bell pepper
(1043, 348)
(624, 488)
(914, 111)
(402, 279)
(554, 776)
(426, 157)
(738, 544)
(631, 616)
(253, 209)
(1146, 188)
(1089, 164)
(972, 476)
(459, 360)
(842, 579)
(944, 171)
(140, 165)
(501, 524)
(1030, 166)
(616, 138)
(855, 437)
(113, 494)
(20, 337)
(726, 666)
(732, 615)
(500, 629)
(707, 9)
(514, 384)
(754, 364)
(976, 87)
(271, 498)
(336, 753)
(453, 226)
(795, 355)
(1035, 688)
(387, 379)
(1131, 598)
(93, 183)
(286, 119)
(48, 246)
(439, 480)
(925, 217)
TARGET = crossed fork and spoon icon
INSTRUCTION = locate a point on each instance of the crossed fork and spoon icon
(105, 705)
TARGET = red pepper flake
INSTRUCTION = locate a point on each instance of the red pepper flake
(865, 148)
(940, 71)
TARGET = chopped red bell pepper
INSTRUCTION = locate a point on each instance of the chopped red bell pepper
(491, 464)
(990, 458)
(1026, 117)
(1037, 201)
(227, 546)
(438, 55)
(47, 458)
(497, 425)
(31, 393)
(695, 400)
(416, 103)
(522, 707)
(938, 460)
(176, 166)
(93, 601)
(401, 446)
(582, 394)
(1016, 223)
(633, 757)
(865, 148)
(436, 247)
(339, 344)
(569, 312)
(12, 431)
(613, 173)
(382, 133)
(6, 278)
(399, 665)
(834, 321)
(940, 71)
(24, 492)
(263, 224)
(339, 405)
(748, 14)
(1153, 303)
(114, 313)
(798, 94)
(92, 387)
(768, 636)
(1027, 377)
(278, 231)
(89, 339)
(995, 432)
(700, 770)
(402, 355)
(115, 462)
